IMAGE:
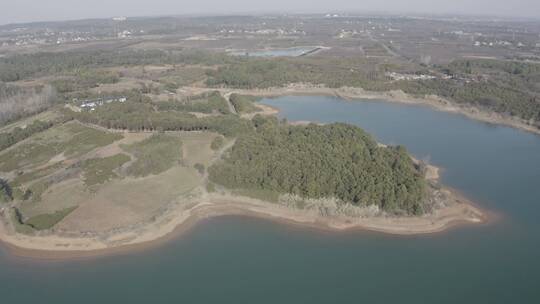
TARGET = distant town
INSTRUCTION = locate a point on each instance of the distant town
(475, 34)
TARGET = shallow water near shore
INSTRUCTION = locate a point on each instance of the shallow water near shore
(246, 260)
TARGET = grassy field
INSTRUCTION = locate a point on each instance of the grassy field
(67, 194)
(37, 189)
(29, 176)
(43, 162)
(196, 147)
(100, 170)
(27, 154)
(72, 139)
(17, 224)
(178, 77)
(101, 180)
(47, 221)
(154, 155)
(44, 116)
(85, 139)
(128, 201)
(121, 202)
(217, 143)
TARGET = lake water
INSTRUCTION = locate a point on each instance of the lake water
(289, 52)
(244, 260)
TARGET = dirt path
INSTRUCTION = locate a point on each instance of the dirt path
(217, 157)
(227, 97)
(386, 48)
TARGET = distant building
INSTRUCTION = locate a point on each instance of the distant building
(398, 76)
(92, 104)
(124, 34)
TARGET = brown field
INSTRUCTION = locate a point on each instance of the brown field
(130, 201)
(196, 147)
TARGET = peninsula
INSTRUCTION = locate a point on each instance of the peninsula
(123, 172)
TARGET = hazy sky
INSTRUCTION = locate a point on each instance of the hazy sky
(45, 10)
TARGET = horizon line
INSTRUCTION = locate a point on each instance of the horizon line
(351, 14)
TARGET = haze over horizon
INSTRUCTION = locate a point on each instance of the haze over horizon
(22, 11)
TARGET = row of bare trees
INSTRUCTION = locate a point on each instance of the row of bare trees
(17, 102)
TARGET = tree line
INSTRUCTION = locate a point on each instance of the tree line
(244, 103)
(136, 116)
(205, 103)
(17, 102)
(503, 87)
(8, 139)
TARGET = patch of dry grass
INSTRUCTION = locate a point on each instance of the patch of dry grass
(196, 147)
(154, 155)
(100, 170)
(129, 201)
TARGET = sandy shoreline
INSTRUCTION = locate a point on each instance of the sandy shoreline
(57, 247)
(180, 220)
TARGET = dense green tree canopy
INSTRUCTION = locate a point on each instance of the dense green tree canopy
(336, 160)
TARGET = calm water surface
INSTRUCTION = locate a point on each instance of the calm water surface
(243, 260)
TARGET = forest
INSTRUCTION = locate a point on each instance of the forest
(506, 87)
(24, 66)
(83, 79)
(331, 161)
(18, 102)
